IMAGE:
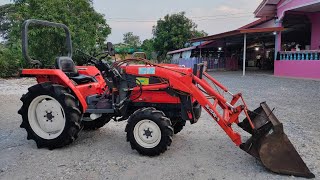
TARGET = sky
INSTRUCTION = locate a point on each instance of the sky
(138, 16)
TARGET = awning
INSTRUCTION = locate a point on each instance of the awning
(127, 50)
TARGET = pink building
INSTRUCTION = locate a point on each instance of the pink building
(285, 38)
(297, 46)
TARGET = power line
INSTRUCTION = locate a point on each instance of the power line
(192, 17)
(203, 19)
(222, 18)
(221, 15)
(111, 20)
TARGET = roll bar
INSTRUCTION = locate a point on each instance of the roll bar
(25, 27)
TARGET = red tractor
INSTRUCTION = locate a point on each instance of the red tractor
(155, 99)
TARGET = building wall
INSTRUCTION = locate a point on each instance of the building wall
(186, 54)
(300, 69)
(268, 24)
(315, 30)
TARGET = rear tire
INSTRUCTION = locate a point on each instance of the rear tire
(95, 124)
(149, 131)
(50, 115)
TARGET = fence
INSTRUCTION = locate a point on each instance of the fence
(299, 55)
(212, 63)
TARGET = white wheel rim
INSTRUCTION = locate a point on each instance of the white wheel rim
(46, 117)
(147, 133)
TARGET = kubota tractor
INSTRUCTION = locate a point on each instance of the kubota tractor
(155, 99)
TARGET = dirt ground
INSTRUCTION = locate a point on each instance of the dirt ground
(200, 151)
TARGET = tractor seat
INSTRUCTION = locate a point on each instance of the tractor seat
(67, 65)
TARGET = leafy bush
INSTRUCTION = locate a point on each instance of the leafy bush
(10, 61)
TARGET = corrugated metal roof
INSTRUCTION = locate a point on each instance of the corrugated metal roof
(256, 23)
(190, 48)
(216, 36)
(182, 50)
(267, 8)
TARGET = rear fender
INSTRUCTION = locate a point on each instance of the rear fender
(55, 76)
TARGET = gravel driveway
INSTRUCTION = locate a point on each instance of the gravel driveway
(200, 151)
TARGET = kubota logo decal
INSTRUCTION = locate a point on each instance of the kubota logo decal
(211, 112)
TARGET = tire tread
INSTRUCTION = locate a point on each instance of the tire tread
(68, 103)
(159, 118)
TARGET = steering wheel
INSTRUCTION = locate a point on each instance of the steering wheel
(91, 59)
(103, 55)
(102, 66)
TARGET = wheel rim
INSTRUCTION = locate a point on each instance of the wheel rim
(147, 133)
(46, 117)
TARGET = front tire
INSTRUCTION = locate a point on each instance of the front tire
(149, 131)
(50, 115)
(178, 125)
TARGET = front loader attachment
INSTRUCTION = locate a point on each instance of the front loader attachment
(271, 145)
(268, 142)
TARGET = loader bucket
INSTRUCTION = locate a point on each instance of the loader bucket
(271, 145)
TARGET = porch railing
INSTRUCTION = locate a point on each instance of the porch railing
(299, 55)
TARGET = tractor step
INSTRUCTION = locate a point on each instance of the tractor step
(271, 145)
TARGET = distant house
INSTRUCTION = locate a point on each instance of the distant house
(285, 38)
(210, 52)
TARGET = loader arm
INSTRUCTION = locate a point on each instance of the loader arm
(268, 142)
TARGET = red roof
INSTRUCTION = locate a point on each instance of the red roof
(238, 32)
(256, 23)
(247, 29)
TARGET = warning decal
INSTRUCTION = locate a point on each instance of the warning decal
(147, 70)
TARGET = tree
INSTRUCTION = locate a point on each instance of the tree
(6, 12)
(10, 53)
(173, 32)
(89, 29)
(10, 59)
(197, 34)
(147, 47)
(131, 39)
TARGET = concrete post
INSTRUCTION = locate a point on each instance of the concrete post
(244, 54)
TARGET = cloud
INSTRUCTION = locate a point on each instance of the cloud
(142, 29)
(221, 18)
(211, 16)
(229, 10)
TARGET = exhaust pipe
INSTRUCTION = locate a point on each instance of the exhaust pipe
(271, 145)
(94, 116)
